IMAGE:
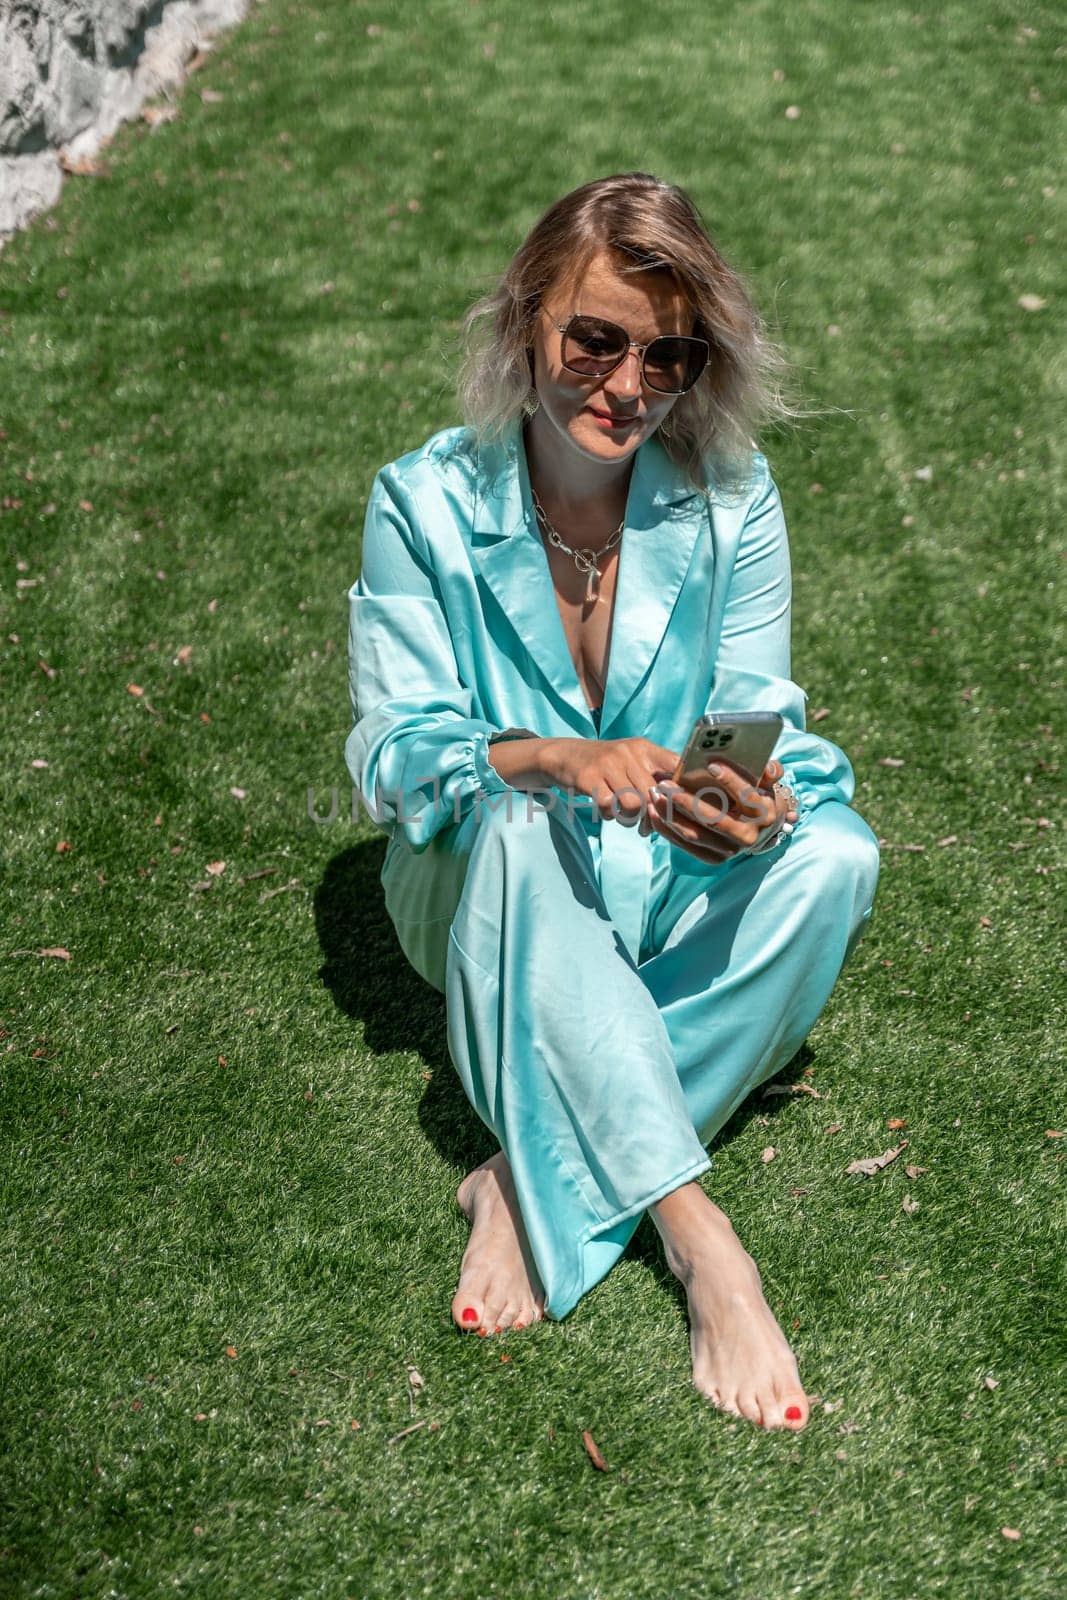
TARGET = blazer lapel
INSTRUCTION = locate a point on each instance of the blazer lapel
(510, 555)
(663, 518)
(664, 515)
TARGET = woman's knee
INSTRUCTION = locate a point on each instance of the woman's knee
(526, 825)
(845, 851)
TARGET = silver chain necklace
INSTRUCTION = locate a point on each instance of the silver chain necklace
(585, 560)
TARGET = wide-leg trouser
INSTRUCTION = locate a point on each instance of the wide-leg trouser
(603, 1079)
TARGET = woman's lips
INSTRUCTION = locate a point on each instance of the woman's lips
(608, 420)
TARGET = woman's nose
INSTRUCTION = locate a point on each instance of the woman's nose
(625, 381)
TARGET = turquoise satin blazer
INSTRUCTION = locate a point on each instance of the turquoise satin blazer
(455, 632)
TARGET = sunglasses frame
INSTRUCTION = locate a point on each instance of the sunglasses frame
(631, 344)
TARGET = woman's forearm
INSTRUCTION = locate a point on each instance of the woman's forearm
(527, 763)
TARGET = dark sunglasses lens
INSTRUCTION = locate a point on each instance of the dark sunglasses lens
(673, 365)
(593, 347)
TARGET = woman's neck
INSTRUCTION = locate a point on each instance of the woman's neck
(576, 489)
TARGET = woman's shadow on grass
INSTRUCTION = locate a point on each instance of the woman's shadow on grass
(372, 981)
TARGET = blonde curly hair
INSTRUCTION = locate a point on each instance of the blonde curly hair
(649, 226)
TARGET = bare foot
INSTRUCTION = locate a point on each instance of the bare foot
(498, 1283)
(741, 1359)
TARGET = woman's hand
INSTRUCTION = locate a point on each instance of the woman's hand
(727, 814)
(617, 774)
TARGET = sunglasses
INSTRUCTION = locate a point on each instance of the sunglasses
(593, 347)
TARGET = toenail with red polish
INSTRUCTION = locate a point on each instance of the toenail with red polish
(470, 1315)
(793, 1413)
(483, 1332)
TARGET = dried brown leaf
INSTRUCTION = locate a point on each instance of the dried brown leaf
(155, 116)
(867, 1166)
(405, 1431)
(1011, 1533)
(791, 1088)
(895, 1123)
(268, 894)
(768, 1154)
(914, 1172)
(55, 950)
(592, 1452)
(86, 167)
(909, 1205)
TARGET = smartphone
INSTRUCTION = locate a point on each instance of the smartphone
(746, 739)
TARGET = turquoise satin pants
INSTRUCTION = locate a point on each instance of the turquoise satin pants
(604, 1078)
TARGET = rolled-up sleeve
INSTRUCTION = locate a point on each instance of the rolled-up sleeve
(416, 754)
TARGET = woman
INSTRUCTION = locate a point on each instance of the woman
(549, 598)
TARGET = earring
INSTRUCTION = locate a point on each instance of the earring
(531, 403)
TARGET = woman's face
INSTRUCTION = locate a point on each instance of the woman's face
(606, 418)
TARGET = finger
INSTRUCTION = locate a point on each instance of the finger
(690, 817)
(663, 762)
(677, 812)
(755, 801)
(702, 849)
(732, 778)
(629, 802)
(712, 824)
(603, 797)
(712, 806)
(707, 802)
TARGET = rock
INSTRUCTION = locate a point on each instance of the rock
(71, 71)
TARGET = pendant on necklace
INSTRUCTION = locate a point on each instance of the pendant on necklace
(592, 588)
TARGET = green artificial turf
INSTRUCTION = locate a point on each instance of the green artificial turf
(231, 1130)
